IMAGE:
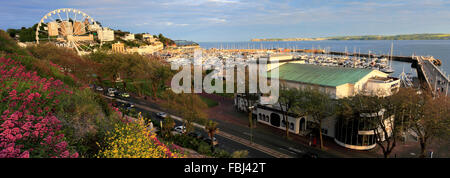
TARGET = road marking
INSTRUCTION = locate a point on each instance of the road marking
(287, 150)
(295, 150)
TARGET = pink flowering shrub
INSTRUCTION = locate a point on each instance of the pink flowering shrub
(28, 126)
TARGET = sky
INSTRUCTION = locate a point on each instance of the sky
(242, 20)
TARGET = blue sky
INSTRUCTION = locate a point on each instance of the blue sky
(241, 20)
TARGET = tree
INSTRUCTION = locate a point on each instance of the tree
(383, 111)
(424, 114)
(211, 128)
(316, 105)
(168, 124)
(159, 75)
(436, 123)
(287, 102)
(13, 32)
(189, 106)
(164, 40)
(192, 110)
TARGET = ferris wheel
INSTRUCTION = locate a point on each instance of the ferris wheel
(68, 27)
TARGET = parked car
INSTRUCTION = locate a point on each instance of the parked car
(125, 95)
(161, 115)
(180, 129)
(129, 105)
(111, 94)
(196, 135)
(112, 90)
(208, 140)
(99, 88)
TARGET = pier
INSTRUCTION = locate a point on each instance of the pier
(430, 75)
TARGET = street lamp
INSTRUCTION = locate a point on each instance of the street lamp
(250, 119)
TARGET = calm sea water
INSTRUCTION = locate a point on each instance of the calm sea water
(440, 49)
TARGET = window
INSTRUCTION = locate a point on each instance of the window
(291, 126)
(324, 131)
(274, 119)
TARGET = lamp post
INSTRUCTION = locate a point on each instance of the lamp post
(250, 119)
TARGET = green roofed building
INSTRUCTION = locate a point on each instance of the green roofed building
(339, 82)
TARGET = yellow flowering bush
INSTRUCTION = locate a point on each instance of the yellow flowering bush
(134, 140)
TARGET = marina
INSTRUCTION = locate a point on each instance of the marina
(413, 75)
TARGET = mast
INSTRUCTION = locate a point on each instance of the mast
(392, 52)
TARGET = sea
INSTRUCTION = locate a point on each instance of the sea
(440, 49)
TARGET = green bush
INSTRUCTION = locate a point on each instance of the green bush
(204, 148)
(8, 45)
(240, 154)
(85, 120)
(219, 153)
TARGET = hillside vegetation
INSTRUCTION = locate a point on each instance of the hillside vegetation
(48, 110)
(435, 36)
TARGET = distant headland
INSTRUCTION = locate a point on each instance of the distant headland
(425, 36)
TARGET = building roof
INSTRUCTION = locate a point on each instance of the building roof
(320, 75)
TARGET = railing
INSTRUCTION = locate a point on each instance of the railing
(439, 70)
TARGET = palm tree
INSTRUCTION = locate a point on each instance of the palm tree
(211, 128)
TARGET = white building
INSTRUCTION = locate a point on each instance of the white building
(129, 37)
(105, 34)
(148, 37)
(337, 82)
(148, 49)
(94, 27)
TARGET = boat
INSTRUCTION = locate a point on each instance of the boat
(388, 69)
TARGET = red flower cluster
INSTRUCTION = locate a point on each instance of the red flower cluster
(28, 127)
